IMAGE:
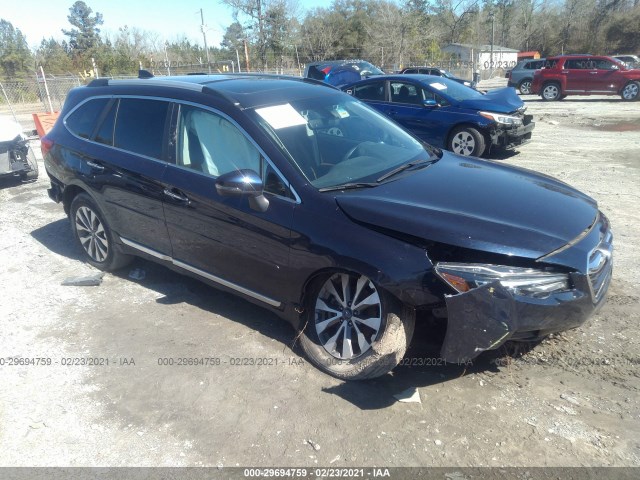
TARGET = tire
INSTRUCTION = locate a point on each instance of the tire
(525, 86)
(550, 92)
(631, 92)
(466, 141)
(94, 236)
(354, 340)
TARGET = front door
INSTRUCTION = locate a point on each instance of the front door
(220, 237)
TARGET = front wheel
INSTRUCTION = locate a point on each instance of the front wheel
(94, 236)
(631, 91)
(354, 330)
(467, 141)
(551, 92)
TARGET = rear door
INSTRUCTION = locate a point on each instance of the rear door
(578, 74)
(123, 163)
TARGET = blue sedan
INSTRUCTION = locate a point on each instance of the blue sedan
(447, 114)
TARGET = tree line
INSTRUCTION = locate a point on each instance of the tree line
(276, 34)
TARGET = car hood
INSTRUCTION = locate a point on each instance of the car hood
(477, 204)
(502, 100)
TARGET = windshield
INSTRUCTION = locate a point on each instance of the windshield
(451, 89)
(335, 139)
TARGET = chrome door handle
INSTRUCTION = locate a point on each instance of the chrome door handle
(176, 196)
(95, 165)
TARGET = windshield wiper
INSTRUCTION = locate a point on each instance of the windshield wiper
(404, 167)
(348, 186)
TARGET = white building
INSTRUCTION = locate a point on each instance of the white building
(480, 55)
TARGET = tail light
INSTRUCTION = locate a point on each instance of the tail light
(46, 144)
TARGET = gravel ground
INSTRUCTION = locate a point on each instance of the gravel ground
(571, 400)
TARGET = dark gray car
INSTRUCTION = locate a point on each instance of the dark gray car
(521, 75)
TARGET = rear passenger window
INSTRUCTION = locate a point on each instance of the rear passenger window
(140, 126)
(107, 122)
(370, 91)
(82, 121)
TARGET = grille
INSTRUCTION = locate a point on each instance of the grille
(601, 266)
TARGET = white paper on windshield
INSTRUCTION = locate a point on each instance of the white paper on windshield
(281, 116)
(342, 113)
(438, 85)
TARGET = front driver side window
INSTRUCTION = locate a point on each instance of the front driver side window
(211, 144)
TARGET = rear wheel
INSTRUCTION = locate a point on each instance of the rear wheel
(94, 236)
(354, 330)
(631, 91)
(525, 86)
(551, 91)
(467, 141)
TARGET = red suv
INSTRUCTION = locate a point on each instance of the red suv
(585, 75)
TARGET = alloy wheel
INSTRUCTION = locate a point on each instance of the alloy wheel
(551, 92)
(630, 91)
(348, 315)
(91, 234)
(525, 87)
(463, 143)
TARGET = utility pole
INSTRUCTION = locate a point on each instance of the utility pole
(246, 53)
(492, 16)
(204, 37)
(166, 58)
(298, 57)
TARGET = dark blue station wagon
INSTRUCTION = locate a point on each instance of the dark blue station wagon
(306, 201)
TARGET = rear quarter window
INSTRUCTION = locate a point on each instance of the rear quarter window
(82, 121)
(140, 126)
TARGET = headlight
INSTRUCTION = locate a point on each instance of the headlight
(502, 118)
(526, 282)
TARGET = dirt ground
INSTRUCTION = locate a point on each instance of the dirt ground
(572, 400)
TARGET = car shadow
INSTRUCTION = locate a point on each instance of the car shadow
(421, 367)
(499, 154)
(57, 237)
(576, 98)
(10, 181)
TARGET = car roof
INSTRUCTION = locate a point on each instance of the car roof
(403, 77)
(338, 62)
(243, 90)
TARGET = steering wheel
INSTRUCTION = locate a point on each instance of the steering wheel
(350, 153)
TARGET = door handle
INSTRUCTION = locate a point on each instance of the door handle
(95, 165)
(176, 196)
(593, 73)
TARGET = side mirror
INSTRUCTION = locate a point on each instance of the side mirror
(430, 103)
(243, 183)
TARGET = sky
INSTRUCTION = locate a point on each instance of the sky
(38, 19)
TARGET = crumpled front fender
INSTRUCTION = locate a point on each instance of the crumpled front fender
(478, 320)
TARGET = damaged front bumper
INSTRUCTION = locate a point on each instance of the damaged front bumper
(509, 137)
(13, 157)
(488, 316)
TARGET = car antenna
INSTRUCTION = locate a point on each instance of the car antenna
(144, 74)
